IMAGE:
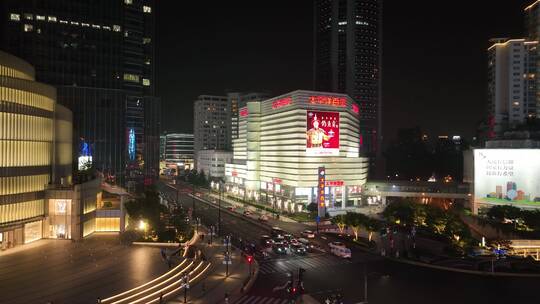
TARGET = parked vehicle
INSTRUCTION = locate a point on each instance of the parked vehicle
(342, 252)
(263, 218)
(308, 234)
(247, 212)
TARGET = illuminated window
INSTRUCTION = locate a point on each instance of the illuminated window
(147, 62)
(96, 26)
(60, 206)
(147, 9)
(51, 19)
(146, 40)
(28, 16)
(107, 28)
(28, 27)
(74, 23)
(146, 82)
(15, 17)
(63, 21)
(117, 28)
(128, 1)
(131, 77)
(39, 17)
(85, 24)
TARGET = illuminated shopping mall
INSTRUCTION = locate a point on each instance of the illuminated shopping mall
(38, 198)
(283, 141)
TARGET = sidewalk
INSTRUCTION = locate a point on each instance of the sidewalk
(215, 283)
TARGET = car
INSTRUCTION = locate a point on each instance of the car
(277, 232)
(342, 252)
(247, 212)
(266, 241)
(308, 234)
(263, 218)
(298, 249)
(198, 194)
(336, 245)
(231, 208)
(279, 249)
(294, 242)
(288, 236)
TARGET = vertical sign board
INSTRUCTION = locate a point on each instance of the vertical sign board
(321, 200)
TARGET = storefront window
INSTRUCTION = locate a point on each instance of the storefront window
(32, 232)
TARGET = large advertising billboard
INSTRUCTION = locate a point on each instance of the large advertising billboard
(322, 134)
(507, 176)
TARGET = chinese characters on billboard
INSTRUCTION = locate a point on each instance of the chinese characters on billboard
(322, 135)
(506, 176)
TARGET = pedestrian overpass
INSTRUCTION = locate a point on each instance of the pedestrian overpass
(414, 189)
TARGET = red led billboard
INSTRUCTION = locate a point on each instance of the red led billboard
(322, 134)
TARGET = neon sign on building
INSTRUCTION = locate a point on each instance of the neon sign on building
(244, 112)
(131, 144)
(328, 101)
(283, 102)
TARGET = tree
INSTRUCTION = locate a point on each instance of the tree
(500, 213)
(312, 207)
(339, 220)
(356, 221)
(401, 212)
(146, 207)
(201, 179)
(436, 219)
(372, 225)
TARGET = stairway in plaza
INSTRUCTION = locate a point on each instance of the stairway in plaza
(166, 286)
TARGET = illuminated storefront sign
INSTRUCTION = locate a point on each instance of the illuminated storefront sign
(329, 101)
(322, 135)
(334, 183)
(244, 112)
(276, 180)
(321, 193)
(283, 102)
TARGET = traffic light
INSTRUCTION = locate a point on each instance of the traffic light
(250, 259)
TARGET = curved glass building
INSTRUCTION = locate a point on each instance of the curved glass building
(35, 150)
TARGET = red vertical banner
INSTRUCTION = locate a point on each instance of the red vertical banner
(321, 198)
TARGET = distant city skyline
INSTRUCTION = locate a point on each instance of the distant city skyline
(255, 51)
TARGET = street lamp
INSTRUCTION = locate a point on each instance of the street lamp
(219, 207)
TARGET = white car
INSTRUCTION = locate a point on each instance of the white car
(308, 234)
(342, 252)
(336, 245)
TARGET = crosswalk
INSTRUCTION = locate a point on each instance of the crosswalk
(308, 262)
(251, 299)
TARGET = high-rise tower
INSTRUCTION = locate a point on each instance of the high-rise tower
(347, 59)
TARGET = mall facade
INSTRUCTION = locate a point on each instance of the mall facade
(283, 141)
(37, 196)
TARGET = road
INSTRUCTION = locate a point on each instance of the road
(388, 281)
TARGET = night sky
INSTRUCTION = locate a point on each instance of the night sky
(434, 58)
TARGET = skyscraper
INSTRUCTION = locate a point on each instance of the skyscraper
(211, 123)
(511, 84)
(347, 59)
(100, 56)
